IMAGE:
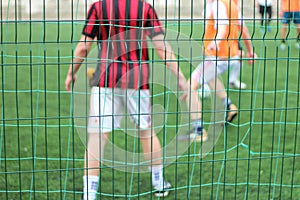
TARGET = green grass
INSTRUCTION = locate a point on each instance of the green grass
(257, 157)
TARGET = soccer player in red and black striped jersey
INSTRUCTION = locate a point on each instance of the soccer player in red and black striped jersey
(121, 32)
(121, 28)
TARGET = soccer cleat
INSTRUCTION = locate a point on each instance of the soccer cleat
(231, 113)
(162, 190)
(238, 85)
(282, 46)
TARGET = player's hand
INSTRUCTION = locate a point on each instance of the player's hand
(184, 96)
(252, 57)
(186, 88)
(69, 81)
(212, 46)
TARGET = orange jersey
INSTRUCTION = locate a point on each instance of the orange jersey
(290, 5)
(228, 47)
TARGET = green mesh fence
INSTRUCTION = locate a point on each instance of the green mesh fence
(42, 138)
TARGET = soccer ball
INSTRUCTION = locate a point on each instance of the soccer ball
(204, 91)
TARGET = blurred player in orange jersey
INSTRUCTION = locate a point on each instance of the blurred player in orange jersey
(234, 81)
(290, 11)
(221, 50)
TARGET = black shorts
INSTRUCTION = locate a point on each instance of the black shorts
(265, 9)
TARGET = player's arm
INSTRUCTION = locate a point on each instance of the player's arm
(165, 52)
(281, 6)
(84, 45)
(247, 41)
(81, 51)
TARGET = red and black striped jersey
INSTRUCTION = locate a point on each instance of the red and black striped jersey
(121, 28)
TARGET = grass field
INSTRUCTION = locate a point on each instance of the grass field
(257, 157)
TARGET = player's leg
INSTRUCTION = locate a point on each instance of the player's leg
(297, 24)
(285, 21)
(139, 107)
(153, 153)
(101, 104)
(269, 12)
(234, 73)
(198, 85)
(194, 104)
(234, 81)
(231, 109)
(210, 73)
(197, 133)
(95, 147)
(218, 86)
(262, 14)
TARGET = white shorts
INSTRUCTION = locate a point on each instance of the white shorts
(109, 105)
(212, 68)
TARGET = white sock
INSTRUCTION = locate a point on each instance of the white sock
(234, 73)
(157, 175)
(90, 187)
